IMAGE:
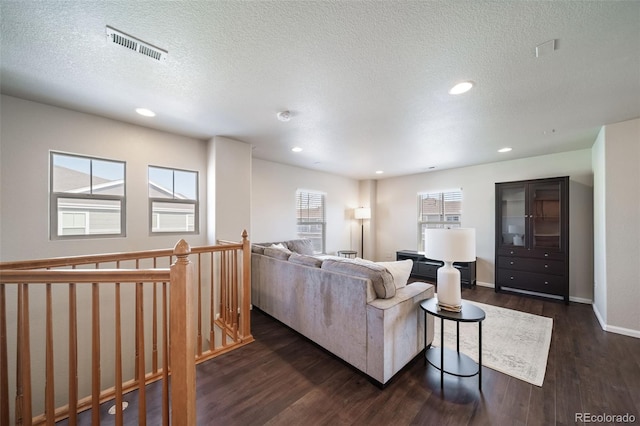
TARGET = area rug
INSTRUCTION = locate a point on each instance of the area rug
(513, 342)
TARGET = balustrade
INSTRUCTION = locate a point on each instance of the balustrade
(125, 308)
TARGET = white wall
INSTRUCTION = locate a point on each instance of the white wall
(273, 192)
(397, 229)
(229, 182)
(368, 198)
(29, 130)
(622, 227)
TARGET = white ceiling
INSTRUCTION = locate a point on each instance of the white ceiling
(366, 82)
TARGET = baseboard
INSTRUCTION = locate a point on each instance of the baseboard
(603, 325)
(624, 331)
(482, 284)
(581, 300)
(614, 329)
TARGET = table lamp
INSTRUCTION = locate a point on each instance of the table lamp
(450, 245)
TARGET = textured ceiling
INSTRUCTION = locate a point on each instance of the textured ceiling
(366, 82)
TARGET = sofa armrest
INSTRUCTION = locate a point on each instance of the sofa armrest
(396, 330)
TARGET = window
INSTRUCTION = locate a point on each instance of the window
(438, 210)
(87, 197)
(173, 200)
(310, 217)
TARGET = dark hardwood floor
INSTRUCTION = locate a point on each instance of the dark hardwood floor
(284, 379)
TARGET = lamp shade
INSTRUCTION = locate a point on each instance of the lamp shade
(451, 245)
(362, 213)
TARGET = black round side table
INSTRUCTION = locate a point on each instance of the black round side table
(457, 364)
(347, 253)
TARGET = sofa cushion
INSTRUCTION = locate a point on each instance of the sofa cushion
(303, 259)
(256, 248)
(302, 246)
(400, 270)
(380, 277)
(277, 252)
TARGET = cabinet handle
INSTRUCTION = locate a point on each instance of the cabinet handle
(546, 282)
(546, 255)
(511, 277)
(511, 263)
(546, 266)
(511, 252)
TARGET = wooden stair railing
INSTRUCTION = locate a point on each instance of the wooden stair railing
(219, 293)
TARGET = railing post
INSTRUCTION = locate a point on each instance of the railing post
(181, 340)
(245, 311)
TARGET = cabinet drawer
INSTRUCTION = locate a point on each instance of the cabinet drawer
(537, 253)
(540, 266)
(543, 283)
(547, 254)
(513, 251)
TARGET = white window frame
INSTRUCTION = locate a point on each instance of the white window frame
(443, 221)
(175, 200)
(55, 227)
(305, 193)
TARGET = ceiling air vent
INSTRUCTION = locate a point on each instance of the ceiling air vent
(137, 45)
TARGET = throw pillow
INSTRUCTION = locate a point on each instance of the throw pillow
(400, 270)
(302, 246)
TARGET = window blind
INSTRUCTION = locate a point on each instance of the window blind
(438, 210)
(310, 218)
(309, 207)
(440, 206)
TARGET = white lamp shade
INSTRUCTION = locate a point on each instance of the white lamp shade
(362, 213)
(452, 245)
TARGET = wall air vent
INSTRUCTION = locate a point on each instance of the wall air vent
(137, 45)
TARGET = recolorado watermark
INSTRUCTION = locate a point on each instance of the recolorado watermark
(605, 418)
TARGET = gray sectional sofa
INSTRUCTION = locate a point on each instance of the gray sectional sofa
(351, 308)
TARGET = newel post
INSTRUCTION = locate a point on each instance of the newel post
(182, 338)
(245, 311)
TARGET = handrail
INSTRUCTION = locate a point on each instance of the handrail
(83, 276)
(56, 262)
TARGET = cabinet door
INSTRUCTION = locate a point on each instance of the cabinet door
(511, 216)
(545, 215)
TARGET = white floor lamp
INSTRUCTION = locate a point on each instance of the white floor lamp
(450, 245)
(362, 213)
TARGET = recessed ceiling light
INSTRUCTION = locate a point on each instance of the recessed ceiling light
(505, 149)
(460, 88)
(296, 149)
(146, 112)
(379, 172)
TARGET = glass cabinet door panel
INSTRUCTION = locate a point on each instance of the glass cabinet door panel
(545, 215)
(512, 226)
